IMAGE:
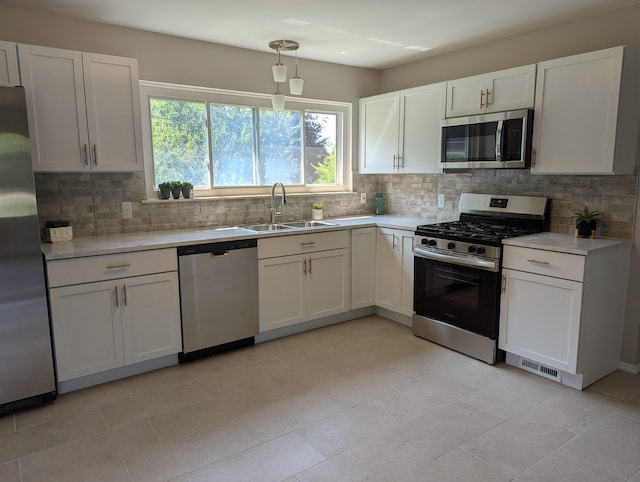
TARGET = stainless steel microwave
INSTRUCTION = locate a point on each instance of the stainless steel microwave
(489, 141)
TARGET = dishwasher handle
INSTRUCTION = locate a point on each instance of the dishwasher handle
(217, 249)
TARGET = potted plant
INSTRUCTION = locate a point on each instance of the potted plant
(586, 222)
(187, 190)
(165, 190)
(176, 189)
(58, 230)
(316, 211)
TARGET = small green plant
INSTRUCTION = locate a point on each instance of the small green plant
(187, 185)
(316, 206)
(57, 223)
(586, 215)
(164, 185)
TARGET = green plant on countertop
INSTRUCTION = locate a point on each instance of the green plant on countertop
(57, 223)
(586, 215)
(316, 206)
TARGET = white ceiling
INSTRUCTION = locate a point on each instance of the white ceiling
(364, 33)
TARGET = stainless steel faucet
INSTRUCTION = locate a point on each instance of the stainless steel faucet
(283, 201)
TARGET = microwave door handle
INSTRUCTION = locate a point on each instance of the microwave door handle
(499, 141)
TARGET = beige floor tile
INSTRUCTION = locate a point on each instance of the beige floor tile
(427, 359)
(154, 403)
(10, 472)
(635, 478)
(182, 478)
(456, 466)
(574, 410)
(478, 374)
(74, 402)
(566, 467)
(113, 471)
(81, 456)
(7, 423)
(171, 376)
(224, 381)
(619, 384)
(317, 354)
(612, 443)
(205, 414)
(514, 394)
(381, 458)
(517, 444)
(404, 405)
(49, 434)
(252, 354)
(274, 460)
(443, 428)
(631, 408)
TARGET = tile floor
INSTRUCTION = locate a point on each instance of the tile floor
(359, 401)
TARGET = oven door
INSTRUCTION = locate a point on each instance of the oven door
(463, 296)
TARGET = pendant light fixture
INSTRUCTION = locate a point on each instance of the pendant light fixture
(280, 72)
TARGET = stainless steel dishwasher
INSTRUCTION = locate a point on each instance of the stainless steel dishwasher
(219, 297)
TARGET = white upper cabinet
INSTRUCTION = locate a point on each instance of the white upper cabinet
(9, 74)
(83, 109)
(499, 91)
(587, 113)
(400, 131)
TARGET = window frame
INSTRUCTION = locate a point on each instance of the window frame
(151, 89)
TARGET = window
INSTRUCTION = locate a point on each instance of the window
(231, 143)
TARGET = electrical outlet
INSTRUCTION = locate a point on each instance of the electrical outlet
(440, 200)
(363, 198)
(127, 210)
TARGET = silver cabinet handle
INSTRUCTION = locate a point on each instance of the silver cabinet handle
(308, 244)
(487, 99)
(309, 265)
(304, 270)
(115, 290)
(116, 266)
(481, 98)
(394, 242)
(535, 261)
(86, 154)
(504, 284)
(95, 155)
(124, 294)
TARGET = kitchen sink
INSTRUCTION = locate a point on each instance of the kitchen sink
(267, 227)
(308, 224)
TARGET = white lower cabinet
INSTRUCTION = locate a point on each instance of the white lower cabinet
(100, 325)
(363, 267)
(394, 270)
(311, 284)
(562, 314)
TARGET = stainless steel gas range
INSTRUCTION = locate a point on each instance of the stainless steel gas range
(457, 265)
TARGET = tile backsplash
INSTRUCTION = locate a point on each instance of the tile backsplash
(93, 200)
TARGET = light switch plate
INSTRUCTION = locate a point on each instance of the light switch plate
(440, 200)
(363, 198)
(127, 210)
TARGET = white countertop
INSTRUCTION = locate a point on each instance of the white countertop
(564, 243)
(118, 243)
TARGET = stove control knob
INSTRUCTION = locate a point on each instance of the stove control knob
(480, 250)
(433, 242)
(472, 249)
(451, 245)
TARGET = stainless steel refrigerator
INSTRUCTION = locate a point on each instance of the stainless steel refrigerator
(26, 361)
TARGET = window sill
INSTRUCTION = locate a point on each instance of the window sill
(247, 196)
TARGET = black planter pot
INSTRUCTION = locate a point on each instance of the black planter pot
(165, 193)
(186, 192)
(175, 192)
(585, 228)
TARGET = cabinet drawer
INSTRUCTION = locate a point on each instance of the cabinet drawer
(101, 268)
(549, 263)
(302, 243)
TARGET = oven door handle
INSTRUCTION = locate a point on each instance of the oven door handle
(481, 263)
(499, 141)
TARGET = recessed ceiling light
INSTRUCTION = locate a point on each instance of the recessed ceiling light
(416, 47)
(295, 21)
(385, 42)
(344, 52)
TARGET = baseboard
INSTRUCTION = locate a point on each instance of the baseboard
(629, 367)
(394, 316)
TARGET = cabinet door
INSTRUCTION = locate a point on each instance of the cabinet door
(9, 74)
(512, 89)
(421, 112)
(406, 283)
(578, 108)
(113, 112)
(87, 330)
(388, 269)
(379, 125)
(281, 291)
(540, 318)
(327, 281)
(150, 308)
(54, 89)
(363, 267)
(466, 96)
